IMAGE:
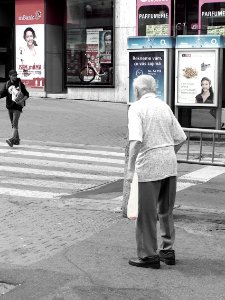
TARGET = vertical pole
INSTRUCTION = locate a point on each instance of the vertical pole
(200, 150)
(188, 144)
(213, 149)
(174, 21)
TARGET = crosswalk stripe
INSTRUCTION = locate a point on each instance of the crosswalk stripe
(61, 156)
(199, 176)
(29, 193)
(44, 183)
(59, 164)
(204, 174)
(58, 173)
(70, 150)
(183, 185)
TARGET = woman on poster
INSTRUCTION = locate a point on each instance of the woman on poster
(30, 61)
(106, 43)
(206, 95)
(29, 53)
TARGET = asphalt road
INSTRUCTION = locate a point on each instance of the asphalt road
(70, 246)
(70, 121)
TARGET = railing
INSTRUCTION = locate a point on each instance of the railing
(203, 146)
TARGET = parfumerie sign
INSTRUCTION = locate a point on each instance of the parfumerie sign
(213, 13)
(154, 16)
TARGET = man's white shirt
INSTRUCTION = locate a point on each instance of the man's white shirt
(152, 122)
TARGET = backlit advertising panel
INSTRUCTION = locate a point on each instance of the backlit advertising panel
(150, 63)
(196, 77)
(30, 43)
(153, 17)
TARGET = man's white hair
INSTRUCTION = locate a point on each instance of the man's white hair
(145, 84)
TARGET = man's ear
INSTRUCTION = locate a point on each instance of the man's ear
(137, 93)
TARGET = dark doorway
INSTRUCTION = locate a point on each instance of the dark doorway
(7, 26)
(186, 17)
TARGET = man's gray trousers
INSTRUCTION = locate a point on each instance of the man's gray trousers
(155, 195)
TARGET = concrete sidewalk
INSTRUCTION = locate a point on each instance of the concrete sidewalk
(98, 268)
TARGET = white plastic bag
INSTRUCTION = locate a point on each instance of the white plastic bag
(132, 205)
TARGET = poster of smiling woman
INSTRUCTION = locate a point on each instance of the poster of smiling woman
(30, 44)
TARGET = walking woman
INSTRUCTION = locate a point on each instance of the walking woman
(16, 94)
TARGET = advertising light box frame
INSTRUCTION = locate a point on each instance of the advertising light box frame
(30, 28)
(149, 62)
(193, 66)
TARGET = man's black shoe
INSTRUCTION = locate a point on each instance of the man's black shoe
(9, 142)
(147, 262)
(167, 256)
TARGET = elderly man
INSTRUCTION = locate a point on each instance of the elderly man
(155, 137)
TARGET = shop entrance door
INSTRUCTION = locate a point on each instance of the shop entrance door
(54, 57)
(7, 21)
(6, 52)
(186, 17)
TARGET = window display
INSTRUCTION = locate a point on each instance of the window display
(153, 17)
(212, 17)
(153, 20)
(89, 42)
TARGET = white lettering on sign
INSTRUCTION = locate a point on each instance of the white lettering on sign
(213, 13)
(154, 16)
(36, 16)
(154, 1)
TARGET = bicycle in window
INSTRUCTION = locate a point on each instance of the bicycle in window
(89, 72)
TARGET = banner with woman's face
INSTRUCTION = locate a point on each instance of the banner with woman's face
(30, 49)
(196, 77)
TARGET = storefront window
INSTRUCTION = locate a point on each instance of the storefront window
(153, 20)
(213, 18)
(90, 42)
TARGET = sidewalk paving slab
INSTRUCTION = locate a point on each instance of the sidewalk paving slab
(97, 268)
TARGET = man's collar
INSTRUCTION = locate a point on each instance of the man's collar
(148, 95)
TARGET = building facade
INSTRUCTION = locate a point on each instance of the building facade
(50, 42)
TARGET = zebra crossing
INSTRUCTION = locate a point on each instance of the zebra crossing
(41, 212)
(50, 171)
(57, 171)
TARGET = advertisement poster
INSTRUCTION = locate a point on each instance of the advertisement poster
(153, 17)
(30, 43)
(92, 49)
(196, 77)
(105, 46)
(149, 63)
